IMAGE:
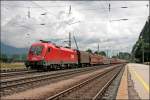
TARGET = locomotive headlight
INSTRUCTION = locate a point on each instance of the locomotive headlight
(43, 62)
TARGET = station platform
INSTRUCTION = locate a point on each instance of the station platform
(135, 82)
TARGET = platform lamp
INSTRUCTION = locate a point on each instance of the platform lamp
(142, 43)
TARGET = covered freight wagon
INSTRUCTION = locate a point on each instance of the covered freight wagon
(96, 59)
(83, 58)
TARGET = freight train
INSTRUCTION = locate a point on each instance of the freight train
(46, 55)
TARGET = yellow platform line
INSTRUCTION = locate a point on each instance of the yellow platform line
(140, 79)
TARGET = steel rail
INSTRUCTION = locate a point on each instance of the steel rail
(16, 73)
(12, 70)
(66, 91)
(100, 93)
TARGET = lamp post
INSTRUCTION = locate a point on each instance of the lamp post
(142, 43)
(124, 19)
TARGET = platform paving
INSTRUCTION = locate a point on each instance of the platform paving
(140, 77)
(123, 88)
(135, 82)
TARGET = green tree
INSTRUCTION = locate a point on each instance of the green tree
(4, 57)
(96, 52)
(114, 56)
(23, 57)
(89, 50)
(124, 55)
(16, 57)
(102, 53)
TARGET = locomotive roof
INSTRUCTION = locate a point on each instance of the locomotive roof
(39, 43)
(53, 45)
(67, 49)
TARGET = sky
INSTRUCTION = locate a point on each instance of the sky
(91, 22)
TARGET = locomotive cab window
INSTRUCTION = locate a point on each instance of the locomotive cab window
(37, 50)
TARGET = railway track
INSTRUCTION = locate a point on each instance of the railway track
(111, 91)
(16, 73)
(91, 89)
(23, 83)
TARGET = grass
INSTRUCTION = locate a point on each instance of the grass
(16, 65)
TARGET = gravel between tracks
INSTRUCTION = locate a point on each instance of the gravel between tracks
(88, 91)
(31, 74)
(9, 87)
(53, 88)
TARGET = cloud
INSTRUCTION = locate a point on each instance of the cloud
(90, 22)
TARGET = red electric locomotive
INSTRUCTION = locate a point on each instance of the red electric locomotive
(46, 55)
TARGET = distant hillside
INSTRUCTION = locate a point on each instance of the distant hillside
(9, 50)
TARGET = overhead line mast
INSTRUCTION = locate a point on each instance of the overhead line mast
(69, 32)
(69, 40)
(69, 10)
(75, 42)
(29, 15)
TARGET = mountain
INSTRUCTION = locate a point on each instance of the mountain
(10, 50)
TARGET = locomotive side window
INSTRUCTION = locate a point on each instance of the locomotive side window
(39, 50)
(49, 49)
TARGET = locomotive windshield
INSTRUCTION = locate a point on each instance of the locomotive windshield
(36, 50)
